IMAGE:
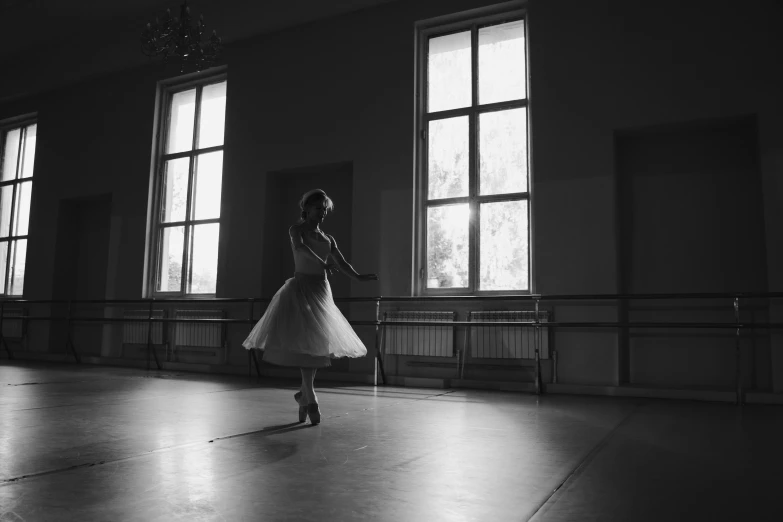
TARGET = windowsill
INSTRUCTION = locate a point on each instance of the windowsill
(189, 297)
(476, 295)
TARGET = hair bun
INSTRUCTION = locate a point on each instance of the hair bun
(308, 196)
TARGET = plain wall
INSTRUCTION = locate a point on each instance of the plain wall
(342, 90)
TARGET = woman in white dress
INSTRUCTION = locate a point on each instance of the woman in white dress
(302, 326)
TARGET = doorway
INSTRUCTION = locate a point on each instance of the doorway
(80, 268)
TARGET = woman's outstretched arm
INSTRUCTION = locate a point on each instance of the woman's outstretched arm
(345, 266)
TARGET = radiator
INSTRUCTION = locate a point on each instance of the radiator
(135, 332)
(436, 340)
(14, 328)
(507, 342)
(207, 335)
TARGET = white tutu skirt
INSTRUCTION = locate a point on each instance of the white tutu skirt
(303, 327)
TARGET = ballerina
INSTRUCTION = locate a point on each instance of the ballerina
(302, 326)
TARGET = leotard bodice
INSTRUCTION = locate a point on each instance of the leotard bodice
(304, 263)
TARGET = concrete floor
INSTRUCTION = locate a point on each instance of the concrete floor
(95, 443)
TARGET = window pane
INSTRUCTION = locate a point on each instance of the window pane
(29, 151)
(213, 115)
(10, 154)
(3, 264)
(448, 158)
(6, 194)
(504, 246)
(503, 151)
(16, 276)
(447, 246)
(175, 190)
(183, 113)
(448, 72)
(22, 220)
(209, 174)
(171, 251)
(501, 67)
(203, 274)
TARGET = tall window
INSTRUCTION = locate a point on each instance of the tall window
(189, 174)
(17, 158)
(473, 183)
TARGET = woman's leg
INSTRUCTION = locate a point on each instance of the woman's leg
(312, 386)
(308, 389)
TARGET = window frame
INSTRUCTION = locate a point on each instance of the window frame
(7, 125)
(165, 93)
(473, 21)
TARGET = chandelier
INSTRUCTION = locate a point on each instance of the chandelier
(177, 38)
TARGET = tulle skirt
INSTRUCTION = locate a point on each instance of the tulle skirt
(303, 327)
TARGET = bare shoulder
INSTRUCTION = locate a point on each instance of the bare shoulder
(331, 240)
(295, 230)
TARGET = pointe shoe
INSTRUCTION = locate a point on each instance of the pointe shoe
(302, 408)
(314, 413)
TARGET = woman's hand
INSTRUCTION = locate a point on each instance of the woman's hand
(367, 277)
(331, 268)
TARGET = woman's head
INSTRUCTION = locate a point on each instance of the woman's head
(313, 200)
